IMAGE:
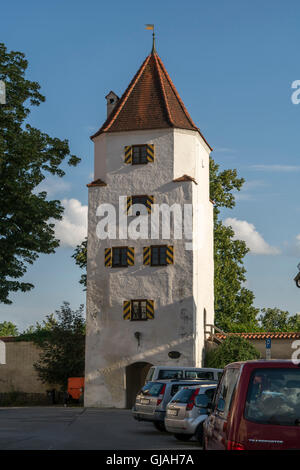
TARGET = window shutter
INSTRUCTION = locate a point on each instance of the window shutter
(170, 254)
(128, 154)
(107, 257)
(130, 255)
(126, 310)
(150, 309)
(150, 201)
(129, 203)
(150, 153)
(147, 254)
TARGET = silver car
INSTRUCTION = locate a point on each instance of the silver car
(152, 400)
(187, 411)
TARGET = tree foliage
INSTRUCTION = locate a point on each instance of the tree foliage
(234, 310)
(274, 319)
(26, 156)
(8, 328)
(80, 256)
(63, 347)
(232, 349)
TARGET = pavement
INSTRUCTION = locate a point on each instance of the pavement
(55, 428)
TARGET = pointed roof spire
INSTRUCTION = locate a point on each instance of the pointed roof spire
(153, 43)
(151, 101)
(151, 27)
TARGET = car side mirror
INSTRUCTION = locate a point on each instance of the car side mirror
(221, 405)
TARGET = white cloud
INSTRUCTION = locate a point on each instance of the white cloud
(53, 185)
(246, 193)
(293, 248)
(276, 168)
(246, 231)
(72, 229)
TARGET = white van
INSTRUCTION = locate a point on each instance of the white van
(187, 373)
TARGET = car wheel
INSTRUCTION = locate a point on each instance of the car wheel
(159, 425)
(183, 437)
(199, 434)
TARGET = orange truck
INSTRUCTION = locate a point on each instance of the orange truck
(76, 387)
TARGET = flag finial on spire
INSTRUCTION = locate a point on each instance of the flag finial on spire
(151, 26)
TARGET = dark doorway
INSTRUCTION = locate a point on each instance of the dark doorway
(135, 379)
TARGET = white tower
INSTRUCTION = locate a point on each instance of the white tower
(147, 298)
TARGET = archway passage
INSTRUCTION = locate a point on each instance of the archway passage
(135, 378)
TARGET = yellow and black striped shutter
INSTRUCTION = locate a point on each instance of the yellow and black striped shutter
(130, 255)
(107, 257)
(147, 254)
(126, 310)
(128, 154)
(170, 254)
(150, 201)
(129, 203)
(150, 309)
(150, 153)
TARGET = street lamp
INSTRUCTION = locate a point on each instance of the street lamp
(297, 278)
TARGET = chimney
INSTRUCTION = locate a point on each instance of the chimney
(111, 101)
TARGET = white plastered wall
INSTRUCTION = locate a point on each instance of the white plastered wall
(177, 290)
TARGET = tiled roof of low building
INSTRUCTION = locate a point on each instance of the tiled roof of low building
(264, 335)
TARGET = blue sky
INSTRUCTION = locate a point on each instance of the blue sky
(233, 64)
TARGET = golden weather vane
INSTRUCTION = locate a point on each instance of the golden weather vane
(151, 27)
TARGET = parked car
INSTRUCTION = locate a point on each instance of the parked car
(256, 406)
(187, 411)
(178, 372)
(152, 400)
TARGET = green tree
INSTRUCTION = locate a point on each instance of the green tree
(80, 256)
(274, 319)
(232, 349)
(234, 310)
(26, 156)
(8, 328)
(63, 347)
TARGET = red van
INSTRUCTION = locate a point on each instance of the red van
(256, 407)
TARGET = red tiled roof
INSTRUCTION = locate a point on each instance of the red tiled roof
(264, 335)
(185, 178)
(97, 182)
(151, 101)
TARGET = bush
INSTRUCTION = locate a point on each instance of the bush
(232, 349)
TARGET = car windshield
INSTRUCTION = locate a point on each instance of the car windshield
(183, 396)
(194, 374)
(152, 388)
(274, 397)
(170, 374)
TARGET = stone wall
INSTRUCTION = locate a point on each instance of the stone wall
(281, 348)
(18, 374)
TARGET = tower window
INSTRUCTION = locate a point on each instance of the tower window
(119, 257)
(144, 200)
(138, 310)
(139, 154)
(159, 255)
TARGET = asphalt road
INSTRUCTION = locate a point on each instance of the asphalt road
(43, 428)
